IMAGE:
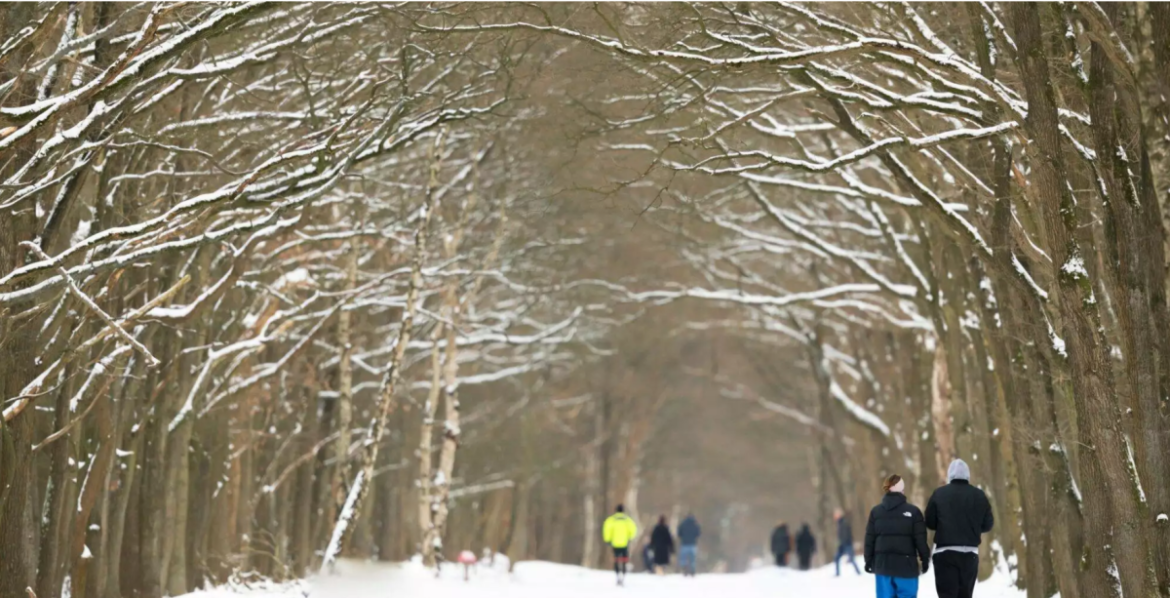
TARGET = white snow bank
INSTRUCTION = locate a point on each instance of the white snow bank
(262, 588)
(536, 579)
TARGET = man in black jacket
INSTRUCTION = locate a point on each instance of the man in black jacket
(959, 513)
(895, 543)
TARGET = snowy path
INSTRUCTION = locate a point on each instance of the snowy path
(548, 580)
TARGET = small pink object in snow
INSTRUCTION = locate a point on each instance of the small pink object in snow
(467, 557)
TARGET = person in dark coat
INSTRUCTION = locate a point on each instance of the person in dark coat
(662, 544)
(959, 513)
(895, 543)
(844, 541)
(781, 544)
(688, 538)
(806, 545)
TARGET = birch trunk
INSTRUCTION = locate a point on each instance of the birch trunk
(343, 529)
(452, 313)
(451, 429)
(338, 454)
(428, 533)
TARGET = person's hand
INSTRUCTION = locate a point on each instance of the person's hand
(925, 567)
(868, 568)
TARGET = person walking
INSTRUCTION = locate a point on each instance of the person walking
(688, 538)
(781, 544)
(896, 551)
(618, 531)
(663, 545)
(958, 513)
(844, 541)
(806, 545)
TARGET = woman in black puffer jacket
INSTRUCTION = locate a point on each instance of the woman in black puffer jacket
(895, 543)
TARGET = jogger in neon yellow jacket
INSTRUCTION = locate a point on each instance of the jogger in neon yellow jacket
(618, 531)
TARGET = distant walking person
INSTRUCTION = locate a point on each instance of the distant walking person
(688, 551)
(844, 541)
(663, 545)
(618, 531)
(895, 543)
(958, 513)
(806, 545)
(781, 544)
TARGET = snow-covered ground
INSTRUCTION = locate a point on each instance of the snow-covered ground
(549, 580)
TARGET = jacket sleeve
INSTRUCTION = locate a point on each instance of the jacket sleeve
(931, 514)
(698, 531)
(607, 531)
(920, 539)
(989, 518)
(870, 540)
(633, 527)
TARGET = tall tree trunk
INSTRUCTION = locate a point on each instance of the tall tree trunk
(122, 499)
(18, 347)
(93, 487)
(591, 472)
(518, 535)
(1118, 134)
(338, 454)
(343, 529)
(1112, 511)
(451, 426)
(605, 451)
(50, 570)
(428, 531)
(179, 428)
(1063, 516)
(940, 410)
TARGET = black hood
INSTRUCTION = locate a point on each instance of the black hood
(893, 500)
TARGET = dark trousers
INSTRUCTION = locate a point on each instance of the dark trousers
(955, 573)
(621, 556)
(782, 559)
(805, 560)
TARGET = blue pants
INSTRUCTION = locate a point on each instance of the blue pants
(896, 587)
(845, 550)
(686, 557)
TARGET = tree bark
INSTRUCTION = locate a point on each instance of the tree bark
(50, 568)
(1107, 486)
(428, 531)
